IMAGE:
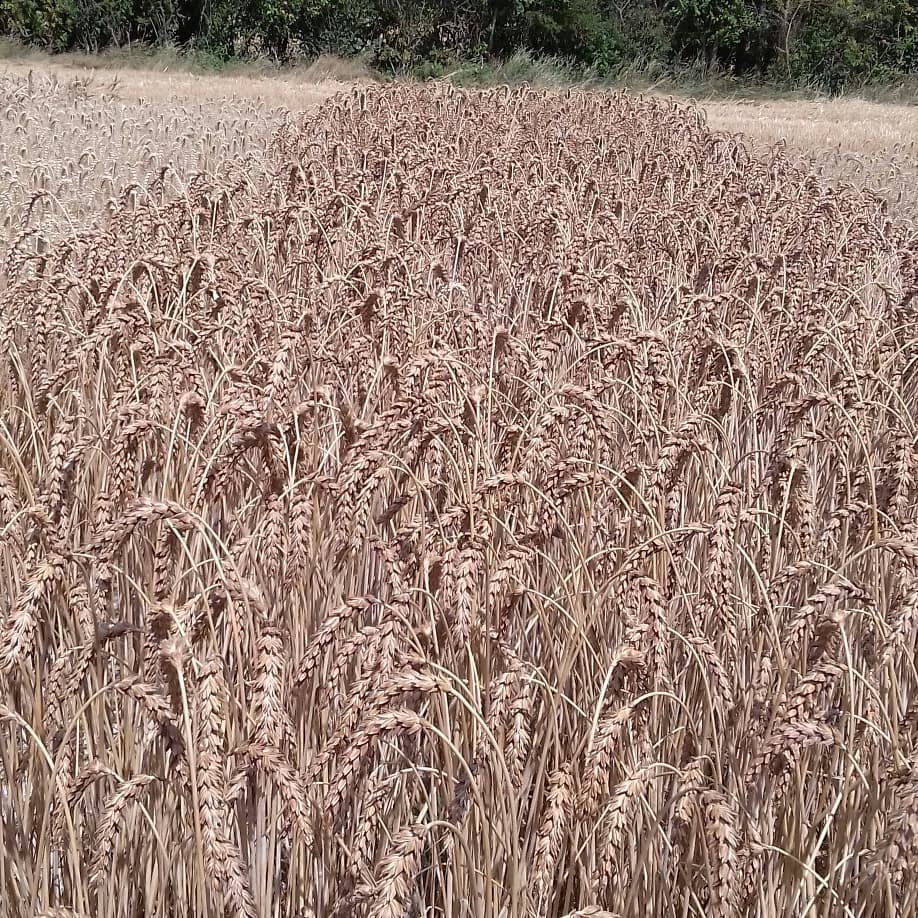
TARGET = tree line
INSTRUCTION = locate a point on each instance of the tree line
(829, 43)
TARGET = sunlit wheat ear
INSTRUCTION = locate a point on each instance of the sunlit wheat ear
(558, 811)
(397, 873)
(723, 840)
(18, 635)
(221, 856)
(595, 776)
(127, 792)
(614, 828)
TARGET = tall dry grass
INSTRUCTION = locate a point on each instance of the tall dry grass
(851, 140)
(73, 139)
(505, 506)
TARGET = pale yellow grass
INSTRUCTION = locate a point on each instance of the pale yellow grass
(72, 138)
(296, 90)
(869, 144)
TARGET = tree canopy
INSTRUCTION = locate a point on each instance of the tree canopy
(832, 43)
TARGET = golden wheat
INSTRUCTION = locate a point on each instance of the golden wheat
(494, 503)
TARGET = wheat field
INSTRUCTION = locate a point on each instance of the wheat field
(843, 140)
(467, 505)
(74, 140)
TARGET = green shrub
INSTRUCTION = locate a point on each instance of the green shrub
(849, 43)
(834, 44)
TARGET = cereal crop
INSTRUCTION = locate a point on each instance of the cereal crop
(497, 504)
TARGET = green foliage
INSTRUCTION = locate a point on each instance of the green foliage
(521, 67)
(830, 43)
(713, 29)
(853, 42)
(87, 24)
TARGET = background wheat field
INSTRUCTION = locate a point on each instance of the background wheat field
(450, 504)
